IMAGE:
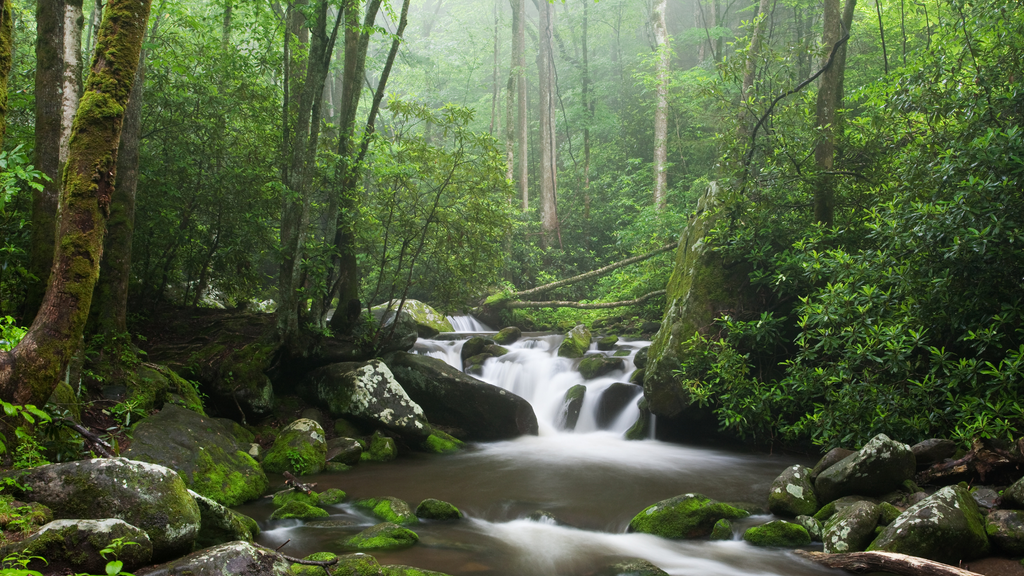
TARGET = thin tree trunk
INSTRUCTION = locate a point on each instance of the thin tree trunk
(510, 126)
(588, 110)
(661, 105)
(73, 22)
(6, 50)
(495, 89)
(753, 54)
(29, 373)
(48, 82)
(881, 32)
(548, 157)
(828, 102)
(519, 68)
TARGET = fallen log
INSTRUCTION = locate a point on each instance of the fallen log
(584, 305)
(595, 273)
(891, 562)
(295, 484)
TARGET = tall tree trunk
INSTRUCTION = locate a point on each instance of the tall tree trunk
(73, 22)
(49, 79)
(523, 124)
(6, 50)
(29, 373)
(495, 89)
(830, 93)
(588, 111)
(661, 105)
(548, 155)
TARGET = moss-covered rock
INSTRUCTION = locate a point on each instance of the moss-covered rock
(685, 516)
(607, 343)
(722, 530)
(210, 454)
(441, 442)
(332, 496)
(631, 567)
(344, 450)
(153, 385)
(75, 545)
(284, 497)
(881, 466)
(230, 558)
(300, 449)
(887, 513)
(613, 400)
(313, 570)
(851, 529)
(830, 509)
(399, 570)
(148, 496)
(389, 509)
(571, 404)
(383, 536)
(831, 457)
(812, 526)
(1013, 496)
(778, 533)
(473, 347)
(640, 358)
(1005, 529)
(792, 493)
(702, 287)
(508, 335)
(597, 365)
(433, 509)
(17, 516)
(945, 527)
(641, 429)
(219, 524)
(380, 449)
(297, 510)
(576, 343)
(429, 322)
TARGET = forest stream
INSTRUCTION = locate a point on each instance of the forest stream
(591, 479)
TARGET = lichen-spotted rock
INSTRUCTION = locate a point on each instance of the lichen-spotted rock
(234, 558)
(685, 516)
(74, 546)
(300, 448)
(429, 322)
(778, 533)
(851, 529)
(368, 392)
(148, 496)
(945, 527)
(881, 466)
(792, 493)
(1005, 530)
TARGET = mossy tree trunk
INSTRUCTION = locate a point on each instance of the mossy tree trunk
(6, 49)
(29, 373)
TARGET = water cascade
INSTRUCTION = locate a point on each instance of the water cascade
(591, 479)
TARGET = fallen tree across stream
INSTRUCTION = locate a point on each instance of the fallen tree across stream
(584, 305)
(891, 562)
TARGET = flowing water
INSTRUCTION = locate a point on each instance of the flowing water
(591, 479)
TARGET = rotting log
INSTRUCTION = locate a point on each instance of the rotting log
(891, 562)
(585, 305)
(594, 273)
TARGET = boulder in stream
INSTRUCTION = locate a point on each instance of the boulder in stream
(792, 493)
(210, 454)
(597, 365)
(380, 449)
(613, 401)
(388, 509)
(571, 404)
(74, 546)
(778, 533)
(219, 524)
(228, 558)
(344, 450)
(470, 409)
(640, 429)
(298, 510)
(299, 448)
(631, 567)
(684, 516)
(383, 536)
(881, 466)
(148, 496)
(1005, 530)
(831, 457)
(945, 527)
(607, 343)
(428, 322)
(433, 509)
(851, 529)
(508, 335)
(576, 343)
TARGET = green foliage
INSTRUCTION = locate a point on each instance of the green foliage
(17, 179)
(16, 564)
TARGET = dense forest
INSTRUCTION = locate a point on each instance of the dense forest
(302, 157)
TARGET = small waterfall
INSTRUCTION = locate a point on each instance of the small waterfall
(468, 324)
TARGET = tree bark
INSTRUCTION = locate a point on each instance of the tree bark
(888, 562)
(661, 105)
(548, 155)
(73, 22)
(29, 372)
(6, 50)
(588, 110)
(48, 82)
(519, 69)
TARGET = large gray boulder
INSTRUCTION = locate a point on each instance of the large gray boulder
(945, 527)
(471, 409)
(367, 392)
(219, 524)
(74, 546)
(210, 454)
(880, 467)
(851, 529)
(597, 365)
(1013, 497)
(684, 516)
(429, 322)
(1006, 531)
(792, 493)
(235, 558)
(148, 496)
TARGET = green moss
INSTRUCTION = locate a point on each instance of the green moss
(389, 509)
(433, 509)
(397, 570)
(64, 396)
(887, 513)
(332, 496)
(336, 467)
(576, 343)
(298, 510)
(383, 536)
(228, 485)
(381, 449)
(442, 443)
(282, 498)
(576, 392)
(686, 516)
(299, 448)
(778, 533)
(722, 530)
(311, 570)
(825, 512)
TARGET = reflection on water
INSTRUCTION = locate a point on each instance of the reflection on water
(592, 481)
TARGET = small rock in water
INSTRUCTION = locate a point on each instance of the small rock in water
(434, 509)
(607, 343)
(508, 335)
(383, 536)
(571, 404)
(778, 533)
(684, 516)
(614, 400)
(722, 530)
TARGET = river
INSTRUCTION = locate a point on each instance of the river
(592, 480)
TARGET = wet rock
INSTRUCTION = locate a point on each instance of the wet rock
(395, 335)
(945, 527)
(722, 530)
(210, 454)
(831, 457)
(441, 442)
(1005, 531)
(613, 401)
(621, 353)
(383, 536)
(576, 343)
(932, 451)
(344, 450)
(282, 498)
(297, 510)
(607, 343)
(851, 529)
(1013, 497)
(812, 526)
(684, 516)
(228, 558)
(640, 359)
(985, 497)
(640, 429)
(367, 392)
(74, 546)
(388, 509)
(470, 409)
(473, 347)
(571, 404)
(148, 496)
(792, 493)
(597, 365)
(778, 533)
(331, 496)
(545, 517)
(300, 449)
(830, 509)
(380, 449)
(631, 567)
(508, 335)
(219, 524)
(637, 377)
(433, 509)
(881, 466)
(399, 570)
(428, 322)
(887, 513)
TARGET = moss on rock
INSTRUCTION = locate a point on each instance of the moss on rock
(433, 509)
(685, 516)
(389, 509)
(298, 510)
(722, 530)
(945, 527)
(381, 449)
(576, 343)
(383, 536)
(313, 570)
(332, 496)
(440, 442)
(282, 498)
(778, 533)
(300, 449)
(792, 493)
